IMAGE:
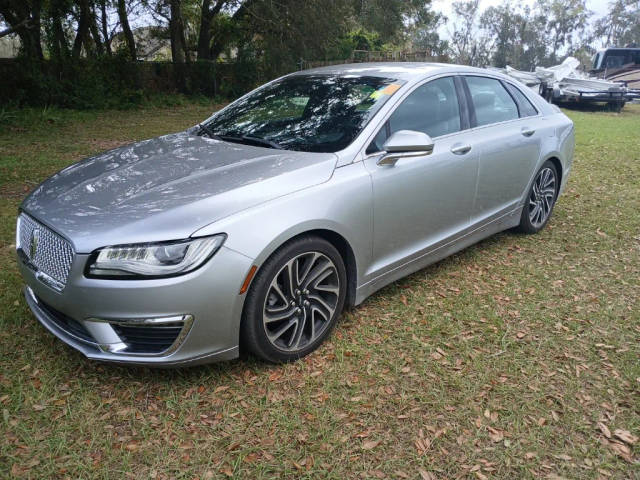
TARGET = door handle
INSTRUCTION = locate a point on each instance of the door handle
(460, 149)
(527, 132)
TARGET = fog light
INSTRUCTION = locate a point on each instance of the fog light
(140, 336)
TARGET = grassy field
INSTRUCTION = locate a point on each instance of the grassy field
(517, 358)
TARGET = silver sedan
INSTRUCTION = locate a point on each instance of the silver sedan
(254, 229)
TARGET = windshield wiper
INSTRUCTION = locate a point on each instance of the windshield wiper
(248, 139)
(245, 139)
(204, 129)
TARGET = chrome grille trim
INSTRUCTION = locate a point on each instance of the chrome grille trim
(51, 255)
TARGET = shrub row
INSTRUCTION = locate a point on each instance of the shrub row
(115, 82)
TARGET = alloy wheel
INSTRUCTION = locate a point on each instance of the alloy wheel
(301, 301)
(542, 196)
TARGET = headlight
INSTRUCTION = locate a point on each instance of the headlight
(154, 259)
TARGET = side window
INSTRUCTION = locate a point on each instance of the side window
(431, 108)
(597, 58)
(524, 105)
(615, 61)
(492, 103)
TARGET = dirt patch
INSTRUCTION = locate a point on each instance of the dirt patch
(16, 190)
(103, 145)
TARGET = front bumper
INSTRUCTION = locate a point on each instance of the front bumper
(205, 304)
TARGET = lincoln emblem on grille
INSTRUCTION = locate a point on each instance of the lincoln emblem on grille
(33, 246)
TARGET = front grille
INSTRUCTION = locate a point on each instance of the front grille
(148, 339)
(66, 323)
(46, 250)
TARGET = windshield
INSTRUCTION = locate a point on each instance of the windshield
(312, 113)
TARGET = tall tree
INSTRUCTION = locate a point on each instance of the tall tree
(283, 33)
(23, 18)
(179, 50)
(398, 21)
(95, 33)
(104, 26)
(468, 46)
(502, 25)
(621, 25)
(55, 13)
(210, 9)
(82, 35)
(566, 22)
(126, 29)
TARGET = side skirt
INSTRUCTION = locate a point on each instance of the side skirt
(504, 222)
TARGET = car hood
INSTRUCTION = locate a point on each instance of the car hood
(166, 188)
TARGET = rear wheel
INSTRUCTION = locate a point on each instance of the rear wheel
(541, 199)
(294, 301)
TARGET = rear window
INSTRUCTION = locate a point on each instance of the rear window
(525, 107)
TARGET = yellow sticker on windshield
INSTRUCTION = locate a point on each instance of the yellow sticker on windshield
(390, 89)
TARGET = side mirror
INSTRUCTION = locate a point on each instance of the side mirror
(404, 144)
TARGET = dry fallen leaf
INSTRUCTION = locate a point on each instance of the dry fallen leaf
(495, 434)
(370, 444)
(625, 436)
(227, 471)
(564, 457)
(426, 475)
(604, 429)
(621, 450)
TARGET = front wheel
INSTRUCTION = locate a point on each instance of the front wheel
(541, 199)
(294, 301)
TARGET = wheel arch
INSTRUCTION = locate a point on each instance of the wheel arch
(558, 164)
(339, 242)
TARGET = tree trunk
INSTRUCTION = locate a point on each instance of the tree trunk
(35, 14)
(176, 30)
(204, 37)
(82, 37)
(60, 45)
(24, 20)
(126, 29)
(208, 13)
(105, 27)
(93, 26)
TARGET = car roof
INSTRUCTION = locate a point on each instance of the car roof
(398, 70)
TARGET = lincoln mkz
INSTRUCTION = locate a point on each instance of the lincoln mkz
(254, 229)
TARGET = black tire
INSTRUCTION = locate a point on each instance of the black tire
(530, 222)
(312, 320)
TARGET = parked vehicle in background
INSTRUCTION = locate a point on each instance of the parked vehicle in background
(618, 65)
(565, 84)
(259, 225)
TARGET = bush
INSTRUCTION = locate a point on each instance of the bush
(115, 82)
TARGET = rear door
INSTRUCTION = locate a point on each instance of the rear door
(505, 128)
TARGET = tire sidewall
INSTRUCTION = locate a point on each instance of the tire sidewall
(252, 332)
(525, 222)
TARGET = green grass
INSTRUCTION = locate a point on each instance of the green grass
(498, 362)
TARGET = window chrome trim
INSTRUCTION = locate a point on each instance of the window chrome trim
(362, 153)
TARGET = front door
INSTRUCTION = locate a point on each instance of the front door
(422, 201)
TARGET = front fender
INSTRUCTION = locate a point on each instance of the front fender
(342, 205)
